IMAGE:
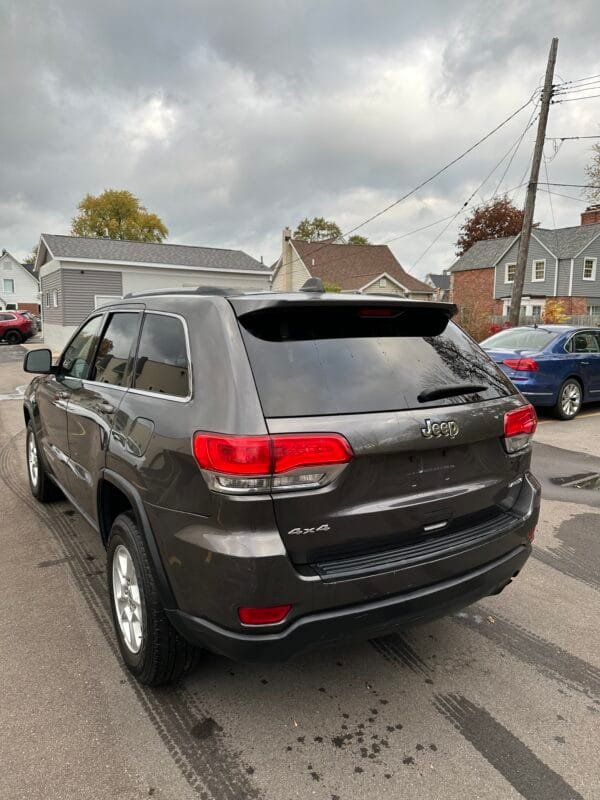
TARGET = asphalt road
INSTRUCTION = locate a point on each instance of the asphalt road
(499, 701)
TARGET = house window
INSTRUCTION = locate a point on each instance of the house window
(54, 298)
(539, 270)
(536, 312)
(509, 273)
(9, 286)
(589, 269)
(47, 299)
(382, 283)
(594, 311)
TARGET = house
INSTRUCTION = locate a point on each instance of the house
(440, 284)
(562, 264)
(78, 274)
(19, 287)
(368, 268)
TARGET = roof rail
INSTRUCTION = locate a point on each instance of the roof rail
(205, 290)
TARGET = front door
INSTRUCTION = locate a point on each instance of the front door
(585, 347)
(53, 395)
(94, 404)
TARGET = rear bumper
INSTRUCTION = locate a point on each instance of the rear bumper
(362, 621)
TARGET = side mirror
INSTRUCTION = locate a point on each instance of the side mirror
(38, 361)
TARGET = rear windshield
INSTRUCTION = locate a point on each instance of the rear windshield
(520, 339)
(308, 362)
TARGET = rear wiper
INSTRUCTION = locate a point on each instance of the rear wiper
(451, 391)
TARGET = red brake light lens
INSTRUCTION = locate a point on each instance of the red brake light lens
(233, 455)
(292, 451)
(265, 615)
(522, 364)
(520, 421)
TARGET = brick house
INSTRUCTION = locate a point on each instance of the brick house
(369, 268)
(561, 264)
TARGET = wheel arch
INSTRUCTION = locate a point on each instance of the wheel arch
(116, 496)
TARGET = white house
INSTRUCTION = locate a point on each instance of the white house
(18, 286)
(79, 274)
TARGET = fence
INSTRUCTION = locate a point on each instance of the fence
(584, 320)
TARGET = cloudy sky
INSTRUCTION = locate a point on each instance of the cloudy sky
(233, 118)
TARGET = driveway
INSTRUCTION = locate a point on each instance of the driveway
(499, 701)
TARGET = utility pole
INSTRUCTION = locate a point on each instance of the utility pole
(520, 269)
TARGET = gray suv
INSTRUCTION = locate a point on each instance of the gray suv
(272, 472)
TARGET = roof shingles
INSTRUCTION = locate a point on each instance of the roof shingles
(353, 266)
(562, 242)
(74, 247)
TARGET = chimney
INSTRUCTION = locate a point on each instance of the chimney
(287, 259)
(591, 215)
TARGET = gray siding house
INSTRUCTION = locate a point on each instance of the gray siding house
(77, 275)
(562, 264)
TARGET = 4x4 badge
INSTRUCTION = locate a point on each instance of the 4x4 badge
(436, 429)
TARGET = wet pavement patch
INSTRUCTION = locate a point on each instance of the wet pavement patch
(585, 480)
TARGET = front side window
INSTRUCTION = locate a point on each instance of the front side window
(584, 342)
(539, 270)
(77, 358)
(9, 286)
(6, 317)
(114, 356)
(589, 269)
(509, 276)
(162, 361)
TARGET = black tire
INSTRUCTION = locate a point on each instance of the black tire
(565, 409)
(164, 656)
(13, 337)
(42, 489)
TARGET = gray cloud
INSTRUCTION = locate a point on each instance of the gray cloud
(233, 120)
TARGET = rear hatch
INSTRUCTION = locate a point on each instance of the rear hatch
(420, 404)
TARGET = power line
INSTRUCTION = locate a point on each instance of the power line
(570, 138)
(572, 99)
(572, 185)
(424, 182)
(439, 172)
(532, 120)
(559, 194)
(417, 230)
(578, 80)
(551, 205)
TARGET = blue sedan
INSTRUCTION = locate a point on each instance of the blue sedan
(552, 365)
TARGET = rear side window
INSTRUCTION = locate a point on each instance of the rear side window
(520, 339)
(162, 361)
(113, 360)
(308, 362)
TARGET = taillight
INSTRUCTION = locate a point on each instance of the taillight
(263, 615)
(280, 462)
(519, 427)
(522, 364)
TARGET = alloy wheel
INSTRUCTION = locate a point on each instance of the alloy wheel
(127, 600)
(33, 463)
(570, 399)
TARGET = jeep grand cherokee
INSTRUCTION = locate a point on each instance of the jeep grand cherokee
(271, 472)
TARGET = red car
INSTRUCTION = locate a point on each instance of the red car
(14, 327)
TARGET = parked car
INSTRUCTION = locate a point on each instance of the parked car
(555, 366)
(14, 327)
(35, 320)
(271, 472)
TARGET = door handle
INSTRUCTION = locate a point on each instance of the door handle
(105, 407)
(585, 363)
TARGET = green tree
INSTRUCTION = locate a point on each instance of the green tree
(317, 229)
(499, 217)
(593, 172)
(30, 260)
(117, 214)
(356, 238)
